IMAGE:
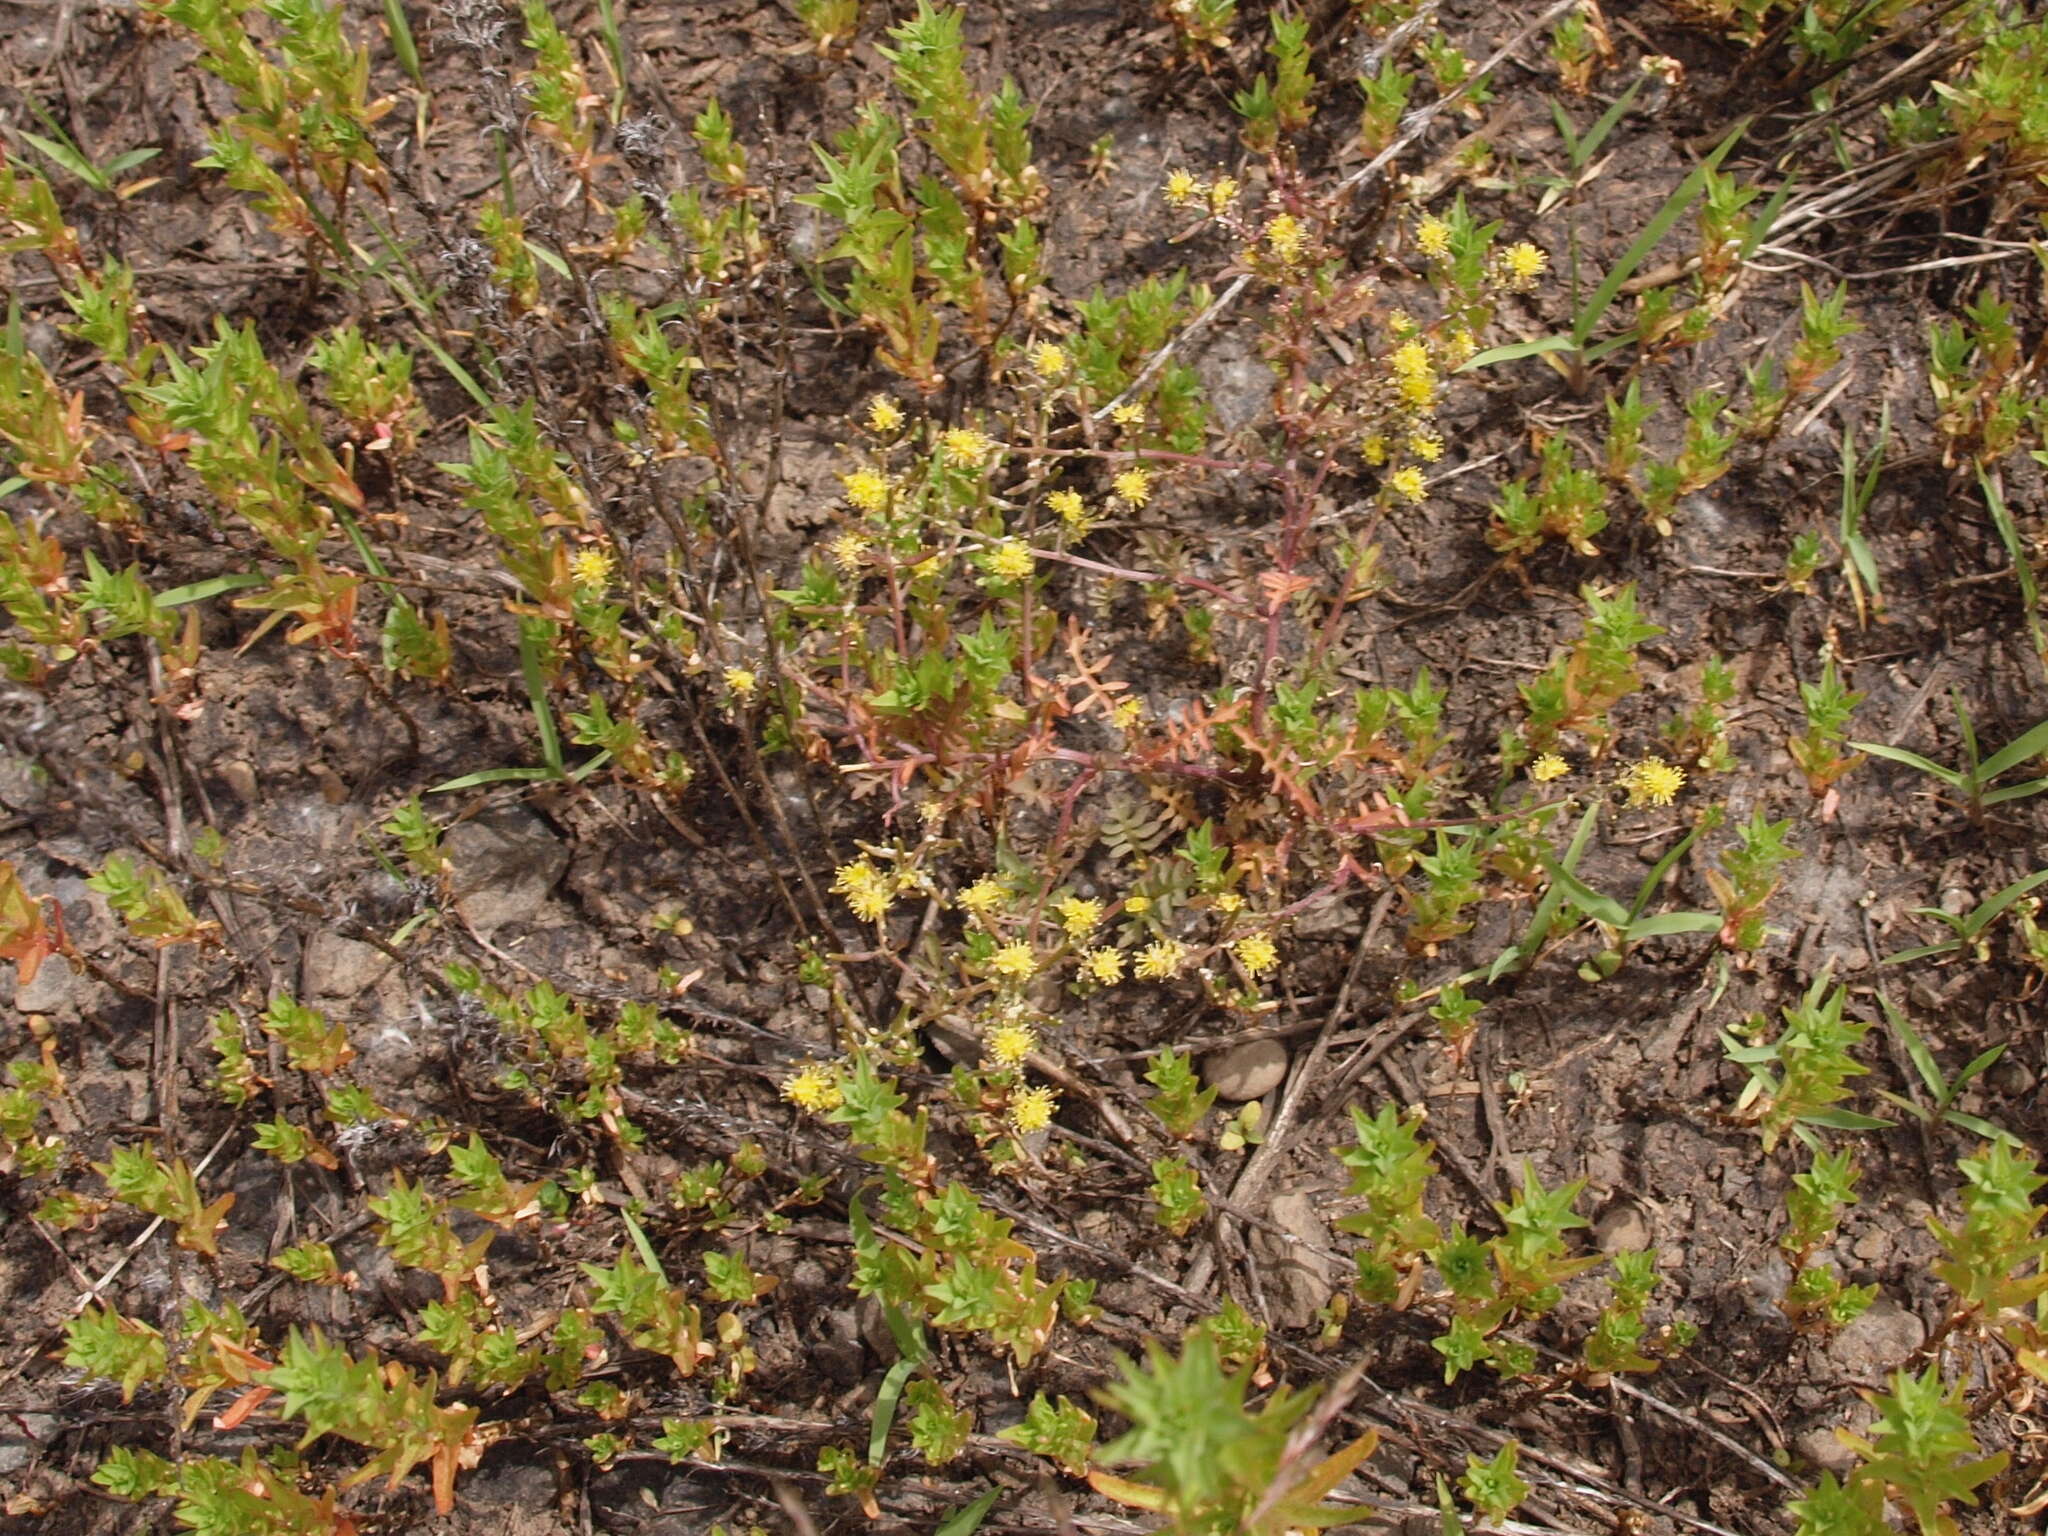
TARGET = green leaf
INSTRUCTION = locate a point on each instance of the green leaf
(1515, 351)
(1947, 776)
(966, 1520)
(1671, 923)
(213, 586)
(886, 1398)
(2028, 747)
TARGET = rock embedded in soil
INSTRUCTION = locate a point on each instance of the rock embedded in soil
(506, 862)
(1299, 1280)
(1621, 1228)
(335, 966)
(1248, 1071)
(1883, 1338)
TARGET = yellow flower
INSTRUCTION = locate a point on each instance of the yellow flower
(1129, 414)
(866, 489)
(1048, 361)
(1014, 961)
(1426, 446)
(1652, 782)
(1228, 902)
(814, 1086)
(1072, 510)
(1433, 238)
(1407, 483)
(1458, 349)
(741, 681)
(1011, 560)
(1009, 1043)
(984, 896)
(1160, 959)
(1285, 238)
(884, 415)
(1410, 361)
(1137, 905)
(1373, 449)
(1521, 264)
(1105, 965)
(1133, 487)
(1418, 393)
(869, 893)
(1256, 953)
(1183, 187)
(1401, 323)
(1547, 767)
(1223, 193)
(966, 445)
(848, 551)
(1127, 713)
(1032, 1110)
(1078, 915)
(591, 566)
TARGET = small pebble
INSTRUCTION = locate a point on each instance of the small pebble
(1248, 1071)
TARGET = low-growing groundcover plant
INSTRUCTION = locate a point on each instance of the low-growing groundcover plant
(940, 806)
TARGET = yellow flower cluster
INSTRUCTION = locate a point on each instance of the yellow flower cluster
(741, 682)
(1652, 781)
(966, 445)
(1032, 1110)
(1011, 560)
(591, 566)
(1414, 376)
(814, 1086)
(848, 551)
(1104, 965)
(984, 896)
(1407, 483)
(1521, 264)
(1133, 487)
(1078, 915)
(867, 489)
(1547, 767)
(1184, 189)
(1072, 510)
(1286, 238)
(1014, 962)
(884, 415)
(1256, 953)
(1010, 1042)
(1048, 360)
(1433, 238)
(1161, 959)
(1426, 446)
(868, 892)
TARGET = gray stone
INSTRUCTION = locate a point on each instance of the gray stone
(1621, 1228)
(240, 778)
(1299, 1280)
(54, 987)
(506, 862)
(1882, 1339)
(1826, 1452)
(23, 1436)
(1248, 1071)
(339, 967)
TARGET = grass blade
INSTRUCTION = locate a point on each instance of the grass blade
(2028, 747)
(1947, 776)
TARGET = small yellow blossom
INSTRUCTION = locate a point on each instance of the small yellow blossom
(591, 566)
(1286, 238)
(1137, 905)
(1032, 1110)
(1011, 560)
(741, 681)
(1547, 767)
(1127, 713)
(1433, 238)
(1133, 487)
(1402, 324)
(814, 1086)
(1426, 446)
(1418, 393)
(1009, 1043)
(1160, 959)
(1373, 449)
(1078, 915)
(1652, 782)
(1228, 902)
(868, 892)
(1014, 961)
(1105, 965)
(848, 551)
(1256, 953)
(1072, 510)
(1048, 360)
(1183, 187)
(1521, 264)
(966, 445)
(1458, 348)
(1129, 414)
(1408, 484)
(1410, 360)
(1223, 192)
(984, 896)
(884, 415)
(866, 489)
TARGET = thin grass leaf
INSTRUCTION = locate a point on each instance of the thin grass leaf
(2016, 551)
(67, 157)
(966, 1520)
(1647, 891)
(399, 27)
(537, 695)
(1761, 226)
(485, 776)
(1947, 776)
(1670, 923)
(1674, 209)
(1516, 350)
(1991, 906)
(1601, 908)
(2025, 749)
(2016, 792)
(886, 1399)
(213, 586)
(1583, 150)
